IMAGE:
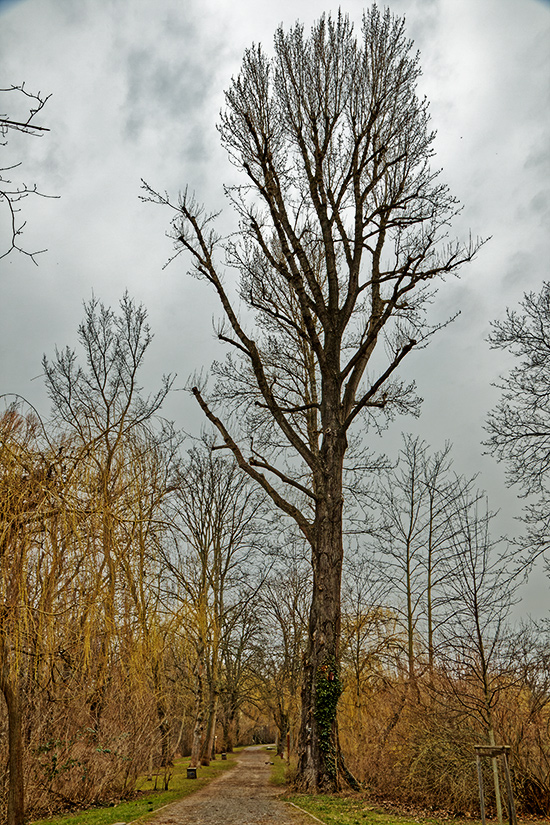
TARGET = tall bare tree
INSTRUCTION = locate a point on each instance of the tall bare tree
(342, 237)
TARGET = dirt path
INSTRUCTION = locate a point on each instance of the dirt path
(242, 796)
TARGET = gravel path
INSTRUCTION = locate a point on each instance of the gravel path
(242, 796)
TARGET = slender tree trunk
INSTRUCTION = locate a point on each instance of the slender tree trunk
(237, 727)
(16, 794)
(199, 723)
(208, 747)
(164, 730)
(319, 757)
(429, 586)
(162, 716)
(181, 730)
(489, 717)
(496, 781)
(410, 617)
(228, 729)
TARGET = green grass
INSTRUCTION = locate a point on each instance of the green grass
(150, 800)
(278, 769)
(336, 810)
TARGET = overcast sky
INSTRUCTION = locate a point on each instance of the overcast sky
(136, 90)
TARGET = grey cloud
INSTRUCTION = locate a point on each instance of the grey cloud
(518, 274)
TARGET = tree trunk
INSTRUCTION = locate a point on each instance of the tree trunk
(494, 761)
(16, 793)
(318, 765)
(162, 716)
(228, 728)
(164, 731)
(208, 748)
(199, 723)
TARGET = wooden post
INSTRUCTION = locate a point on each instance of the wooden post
(492, 751)
(511, 806)
(481, 794)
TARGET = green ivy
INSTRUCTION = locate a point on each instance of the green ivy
(328, 689)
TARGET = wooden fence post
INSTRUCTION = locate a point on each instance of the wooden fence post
(493, 751)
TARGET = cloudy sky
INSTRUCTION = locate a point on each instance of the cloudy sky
(136, 90)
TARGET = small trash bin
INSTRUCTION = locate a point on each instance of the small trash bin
(224, 755)
(191, 773)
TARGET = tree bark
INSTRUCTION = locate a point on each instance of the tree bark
(16, 793)
(229, 729)
(321, 688)
(208, 747)
(199, 723)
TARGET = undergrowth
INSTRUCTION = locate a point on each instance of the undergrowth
(147, 799)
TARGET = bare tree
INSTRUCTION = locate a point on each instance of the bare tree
(519, 426)
(418, 502)
(101, 404)
(216, 528)
(370, 628)
(240, 657)
(283, 604)
(342, 238)
(479, 593)
(11, 194)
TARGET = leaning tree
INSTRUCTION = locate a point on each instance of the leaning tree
(342, 237)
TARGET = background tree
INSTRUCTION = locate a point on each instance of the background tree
(342, 213)
(240, 664)
(11, 194)
(519, 426)
(283, 604)
(479, 595)
(103, 408)
(150, 462)
(417, 504)
(373, 642)
(216, 530)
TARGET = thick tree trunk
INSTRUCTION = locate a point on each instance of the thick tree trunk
(16, 794)
(318, 765)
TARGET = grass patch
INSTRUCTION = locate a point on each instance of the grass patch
(338, 810)
(149, 800)
(278, 770)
